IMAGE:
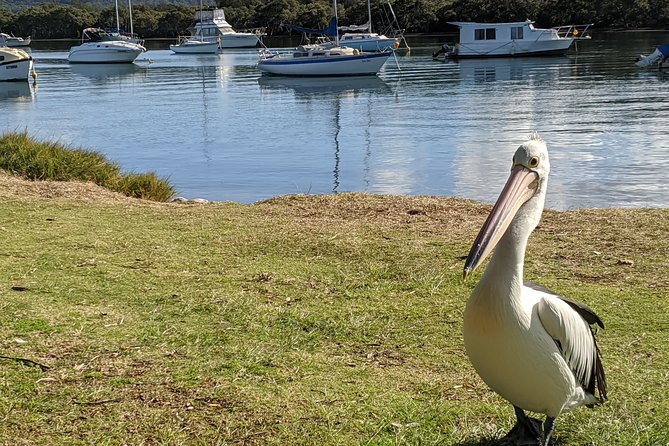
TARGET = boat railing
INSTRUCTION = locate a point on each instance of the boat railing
(576, 32)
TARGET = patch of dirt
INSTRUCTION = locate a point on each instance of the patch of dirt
(12, 187)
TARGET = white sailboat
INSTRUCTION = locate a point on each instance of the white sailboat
(329, 59)
(196, 44)
(100, 46)
(362, 38)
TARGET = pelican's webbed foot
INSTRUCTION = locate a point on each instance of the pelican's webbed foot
(527, 431)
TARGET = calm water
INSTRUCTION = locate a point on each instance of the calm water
(220, 131)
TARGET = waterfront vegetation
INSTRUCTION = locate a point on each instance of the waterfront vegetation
(301, 320)
(28, 158)
(153, 19)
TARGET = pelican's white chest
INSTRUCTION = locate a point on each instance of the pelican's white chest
(513, 354)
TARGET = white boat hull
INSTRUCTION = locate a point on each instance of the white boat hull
(346, 65)
(515, 48)
(15, 65)
(105, 52)
(195, 47)
(238, 40)
(367, 42)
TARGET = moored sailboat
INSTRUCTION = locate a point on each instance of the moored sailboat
(325, 59)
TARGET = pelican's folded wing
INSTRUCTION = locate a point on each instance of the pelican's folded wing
(571, 331)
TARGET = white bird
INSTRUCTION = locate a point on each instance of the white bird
(532, 347)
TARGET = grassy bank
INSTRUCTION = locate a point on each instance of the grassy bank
(304, 320)
(29, 158)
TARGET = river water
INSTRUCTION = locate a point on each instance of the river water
(219, 130)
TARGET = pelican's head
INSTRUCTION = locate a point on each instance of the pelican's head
(526, 184)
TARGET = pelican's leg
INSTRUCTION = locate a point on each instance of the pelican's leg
(526, 432)
(549, 425)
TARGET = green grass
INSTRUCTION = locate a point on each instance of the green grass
(306, 320)
(23, 156)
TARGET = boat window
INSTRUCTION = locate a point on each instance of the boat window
(2, 58)
(485, 34)
(517, 33)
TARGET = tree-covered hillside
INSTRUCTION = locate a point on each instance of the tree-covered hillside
(168, 18)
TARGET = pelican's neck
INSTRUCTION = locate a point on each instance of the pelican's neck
(505, 270)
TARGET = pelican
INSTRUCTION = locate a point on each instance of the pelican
(535, 349)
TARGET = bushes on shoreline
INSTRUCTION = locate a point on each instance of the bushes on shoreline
(36, 160)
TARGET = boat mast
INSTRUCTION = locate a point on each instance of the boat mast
(369, 16)
(132, 31)
(118, 22)
(334, 12)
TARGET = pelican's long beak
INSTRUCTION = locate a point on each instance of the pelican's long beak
(520, 187)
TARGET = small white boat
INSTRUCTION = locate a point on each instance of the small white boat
(659, 57)
(194, 46)
(361, 37)
(96, 47)
(15, 64)
(13, 41)
(368, 41)
(511, 39)
(211, 27)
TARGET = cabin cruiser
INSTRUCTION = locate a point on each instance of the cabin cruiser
(511, 39)
(99, 46)
(211, 26)
(13, 41)
(15, 64)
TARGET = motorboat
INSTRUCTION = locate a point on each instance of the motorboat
(98, 47)
(194, 46)
(511, 39)
(13, 41)
(15, 64)
(327, 58)
(211, 26)
(659, 57)
(361, 37)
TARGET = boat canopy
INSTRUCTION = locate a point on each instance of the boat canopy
(363, 27)
(330, 31)
(664, 49)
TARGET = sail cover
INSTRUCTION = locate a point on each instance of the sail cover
(330, 31)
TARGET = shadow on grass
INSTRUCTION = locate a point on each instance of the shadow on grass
(489, 441)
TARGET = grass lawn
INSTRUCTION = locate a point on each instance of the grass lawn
(302, 320)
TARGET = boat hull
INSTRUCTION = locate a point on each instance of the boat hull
(105, 52)
(238, 40)
(195, 48)
(515, 49)
(349, 65)
(369, 44)
(16, 65)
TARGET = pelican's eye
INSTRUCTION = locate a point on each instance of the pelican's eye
(534, 162)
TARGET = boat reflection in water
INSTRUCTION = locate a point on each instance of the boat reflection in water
(315, 86)
(16, 90)
(104, 72)
(512, 68)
